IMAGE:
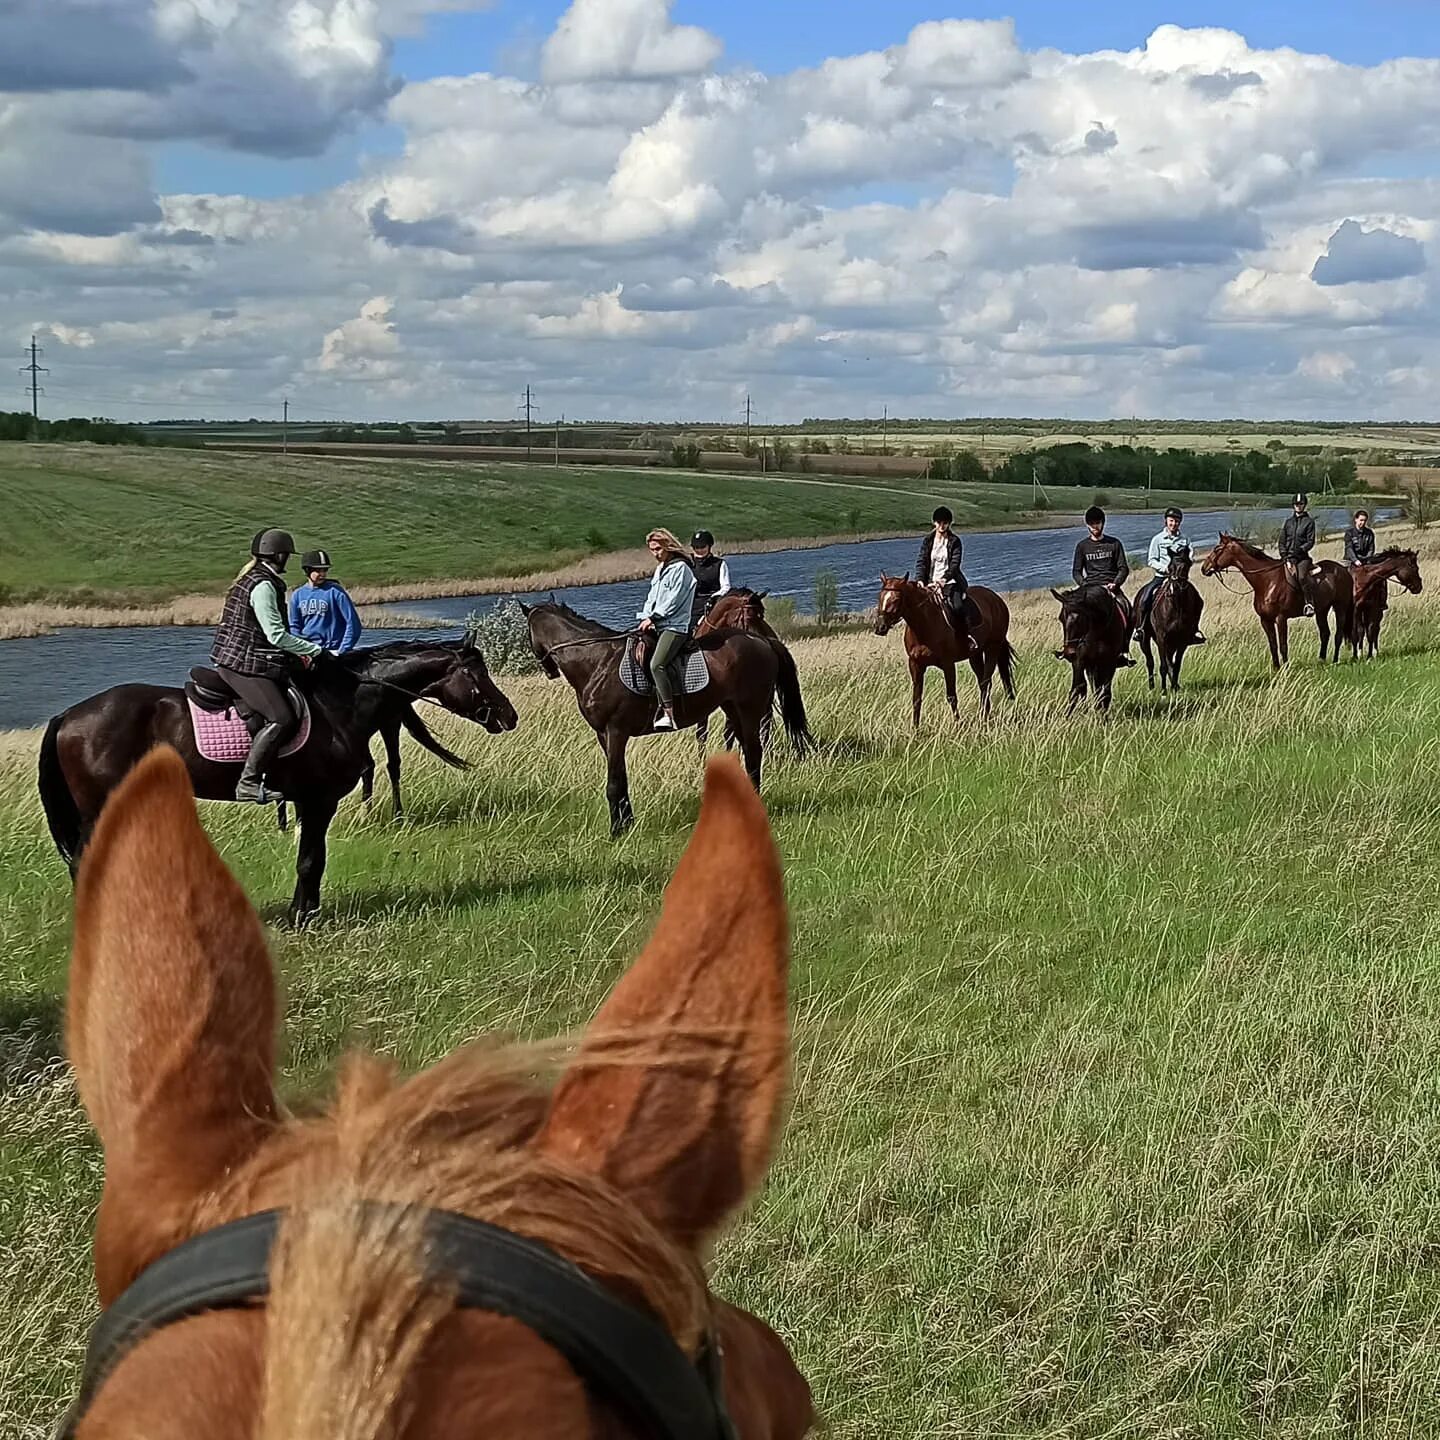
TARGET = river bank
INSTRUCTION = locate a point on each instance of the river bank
(39, 618)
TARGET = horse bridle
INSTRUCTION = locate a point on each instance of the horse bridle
(619, 1350)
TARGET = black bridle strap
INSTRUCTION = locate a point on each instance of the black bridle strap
(620, 1351)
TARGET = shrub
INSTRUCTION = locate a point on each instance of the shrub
(596, 538)
(780, 611)
(827, 596)
(504, 636)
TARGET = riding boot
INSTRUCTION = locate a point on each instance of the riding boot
(263, 750)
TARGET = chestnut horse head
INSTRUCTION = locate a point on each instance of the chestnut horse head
(737, 609)
(617, 1175)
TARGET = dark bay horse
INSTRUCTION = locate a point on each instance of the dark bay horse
(744, 609)
(1171, 623)
(1277, 601)
(510, 1245)
(89, 749)
(1095, 635)
(930, 639)
(389, 732)
(744, 679)
(1371, 583)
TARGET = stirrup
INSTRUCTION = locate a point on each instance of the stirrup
(261, 795)
(664, 722)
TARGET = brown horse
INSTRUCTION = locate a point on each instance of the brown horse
(930, 639)
(1172, 622)
(1095, 637)
(744, 609)
(470, 1252)
(1372, 598)
(1277, 601)
(745, 677)
(90, 748)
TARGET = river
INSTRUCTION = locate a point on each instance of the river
(41, 675)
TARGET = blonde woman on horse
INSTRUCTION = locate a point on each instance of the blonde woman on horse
(666, 612)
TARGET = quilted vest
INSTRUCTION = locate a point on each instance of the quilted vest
(240, 643)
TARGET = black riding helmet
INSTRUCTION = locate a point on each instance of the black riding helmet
(1301, 499)
(274, 542)
(942, 513)
(702, 540)
(1094, 516)
(1174, 513)
(315, 560)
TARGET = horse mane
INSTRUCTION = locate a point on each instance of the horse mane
(583, 622)
(1091, 598)
(350, 1311)
(1253, 551)
(1393, 553)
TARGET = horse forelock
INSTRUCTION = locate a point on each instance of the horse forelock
(350, 1311)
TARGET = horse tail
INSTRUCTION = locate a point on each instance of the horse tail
(792, 705)
(1007, 664)
(420, 732)
(62, 814)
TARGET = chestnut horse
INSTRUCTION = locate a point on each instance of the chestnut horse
(466, 1253)
(930, 638)
(1372, 599)
(744, 609)
(1277, 601)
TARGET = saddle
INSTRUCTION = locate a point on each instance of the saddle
(224, 725)
(690, 669)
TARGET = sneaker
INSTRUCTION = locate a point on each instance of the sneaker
(664, 722)
(1199, 639)
(1309, 609)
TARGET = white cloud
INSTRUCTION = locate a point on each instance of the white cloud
(951, 223)
(625, 40)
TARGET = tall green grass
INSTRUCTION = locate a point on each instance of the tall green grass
(1116, 1108)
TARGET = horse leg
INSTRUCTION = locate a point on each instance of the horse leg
(1144, 638)
(617, 784)
(949, 672)
(391, 734)
(1102, 684)
(315, 812)
(984, 669)
(702, 737)
(367, 780)
(917, 690)
(1322, 624)
(1077, 687)
(751, 749)
(282, 816)
(1273, 637)
(1282, 633)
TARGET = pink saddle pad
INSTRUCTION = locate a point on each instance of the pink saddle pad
(222, 736)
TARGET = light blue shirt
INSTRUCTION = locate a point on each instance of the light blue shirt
(672, 593)
(1162, 547)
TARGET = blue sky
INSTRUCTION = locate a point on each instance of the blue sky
(793, 33)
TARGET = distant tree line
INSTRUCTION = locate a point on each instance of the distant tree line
(1126, 467)
(20, 425)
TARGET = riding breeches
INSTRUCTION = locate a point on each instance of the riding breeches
(665, 648)
(263, 695)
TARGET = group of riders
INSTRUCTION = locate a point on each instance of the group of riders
(1100, 563)
(260, 634)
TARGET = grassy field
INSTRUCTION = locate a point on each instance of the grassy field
(93, 525)
(1116, 1108)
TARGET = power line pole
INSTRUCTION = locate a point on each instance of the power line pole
(529, 407)
(885, 431)
(285, 429)
(35, 370)
(747, 420)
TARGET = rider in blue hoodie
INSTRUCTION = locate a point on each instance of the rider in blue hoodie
(321, 611)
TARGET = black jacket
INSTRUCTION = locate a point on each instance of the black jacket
(1100, 562)
(952, 571)
(1297, 538)
(1359, 545)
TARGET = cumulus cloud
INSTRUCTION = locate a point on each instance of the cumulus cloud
(951, 221)
(625, 40)
(1356, 256)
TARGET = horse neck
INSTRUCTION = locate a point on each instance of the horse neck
(578, 662)
(921, 611)
(410, 673)
(1257, 569)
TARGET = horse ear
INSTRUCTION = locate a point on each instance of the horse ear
(907, 577)
(524, 608)
(171, 1017)
(677, 1094)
